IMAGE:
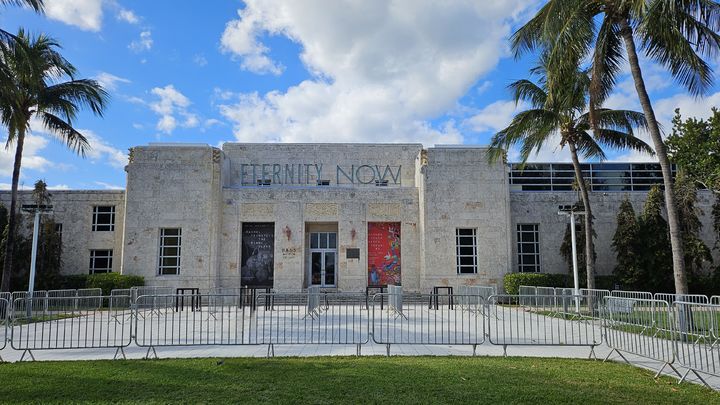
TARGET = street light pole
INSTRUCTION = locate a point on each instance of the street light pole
(571, 211)
(37, 210)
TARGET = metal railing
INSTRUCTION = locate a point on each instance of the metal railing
(641, 295)
(4, 320)
(43, 323)
(697, 337)
(541, 322)
(340, 319)
(644, 327)
(445, 325)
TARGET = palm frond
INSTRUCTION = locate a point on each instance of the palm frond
(66, 133)
(525, 90)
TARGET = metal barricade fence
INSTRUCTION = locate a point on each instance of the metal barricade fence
(69, 293)
(670, 298)
(541, 324)
(4, 320)
(544, 296)
(89, 298)
(591, 302)
(213, 323)
(641, 295)
(446, 325)
(63, 323)
(469, 296)
(313, 300)
(136, 292)
(696, 338)
(527, 295)
(644, 327)
(37, 299)
(343, 320)
(395, 299)
(715, 300)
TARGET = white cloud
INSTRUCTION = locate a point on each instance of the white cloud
(170, 106)
(200, 60)
(108, 186)
(110, 81)
(102, 151)
(381, 69)
(494, 116)
(144, 43)
(31, 159)
(665, 111)
(84, 14)
(128, 16)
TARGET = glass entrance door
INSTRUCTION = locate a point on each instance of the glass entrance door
(323, 259)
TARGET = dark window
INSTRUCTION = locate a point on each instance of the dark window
(528, 246)
(101, 261)
(103, 218)
(466, 250)
(170, 241)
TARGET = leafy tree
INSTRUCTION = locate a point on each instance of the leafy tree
(697, 253)
(35, 87)
(673, 33)
(625, 243)
(565, 113)
(655, 266)
(695, 147)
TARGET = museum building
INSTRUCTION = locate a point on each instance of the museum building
(339, 216)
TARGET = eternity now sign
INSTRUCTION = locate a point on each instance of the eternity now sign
(304, 173)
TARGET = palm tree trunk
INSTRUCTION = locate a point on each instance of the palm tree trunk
(676, 242)
(589, 243)
(12, 226)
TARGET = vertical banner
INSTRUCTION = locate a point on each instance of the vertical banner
(383, 253)
(258, 251)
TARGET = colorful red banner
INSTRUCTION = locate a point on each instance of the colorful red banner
(383, 253)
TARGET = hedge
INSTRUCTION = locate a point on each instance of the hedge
(111, 281)
(514, 280)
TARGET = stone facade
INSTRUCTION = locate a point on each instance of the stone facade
(300, 191)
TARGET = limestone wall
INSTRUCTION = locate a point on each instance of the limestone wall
(74, 210)
(542, 208)
(462, 190)
(173, 186)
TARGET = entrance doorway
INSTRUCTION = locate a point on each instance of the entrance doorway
(323, 259)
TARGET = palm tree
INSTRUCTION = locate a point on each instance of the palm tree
(34, 88)
(674, 33)
(565, 113)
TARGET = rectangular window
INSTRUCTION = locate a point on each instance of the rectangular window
(170, 241)
(103, 218)
(466, 250)
(58, 230)
(101, 261)
(528, 246)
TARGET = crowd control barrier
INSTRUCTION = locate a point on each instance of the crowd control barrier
(697, 337)
(539, 322)
(43, 323)
(420, 324)
(644, 327)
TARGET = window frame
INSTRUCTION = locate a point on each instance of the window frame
(97, 227)
(93, 269)
(519, 243)
(162, 270)
(458, 256)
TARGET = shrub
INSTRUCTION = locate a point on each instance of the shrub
(513, 281)
(75, 281)
(111, 281)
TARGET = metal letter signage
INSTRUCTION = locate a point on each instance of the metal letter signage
(302, 174)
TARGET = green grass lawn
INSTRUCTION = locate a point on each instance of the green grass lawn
(490, 380)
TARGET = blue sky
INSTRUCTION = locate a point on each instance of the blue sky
(292, 71)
